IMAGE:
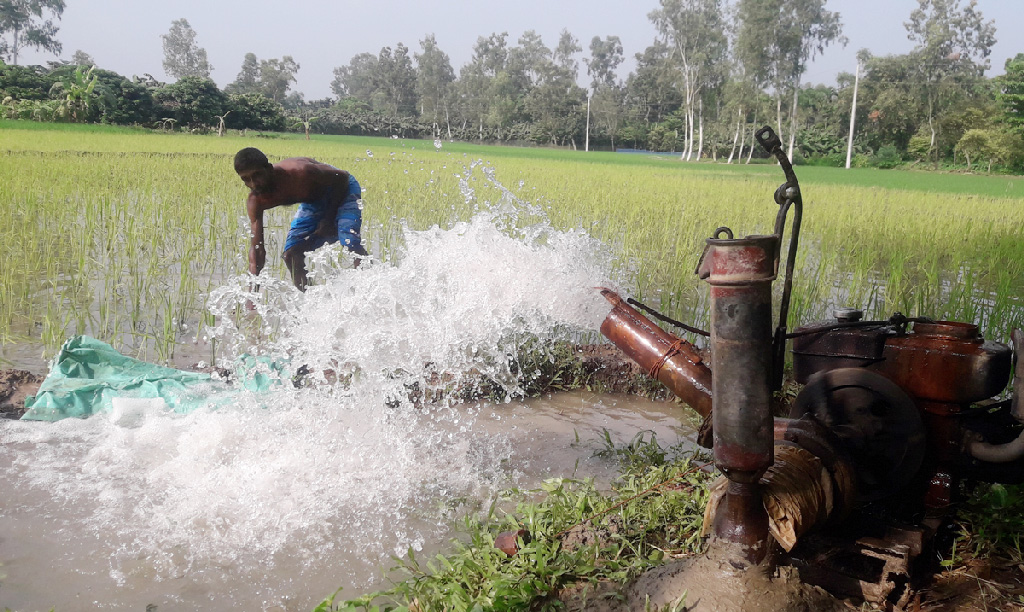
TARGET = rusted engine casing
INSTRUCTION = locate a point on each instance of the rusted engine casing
(942, 366)
(945, 361)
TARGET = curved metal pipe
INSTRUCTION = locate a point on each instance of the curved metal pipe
(977, 447)
(996, 453)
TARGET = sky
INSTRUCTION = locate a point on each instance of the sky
(125, 35)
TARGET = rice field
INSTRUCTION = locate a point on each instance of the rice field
(122, 235)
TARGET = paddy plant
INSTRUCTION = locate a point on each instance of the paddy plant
(123, 235)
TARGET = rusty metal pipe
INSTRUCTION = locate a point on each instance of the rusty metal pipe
(671, 360)
(811, 483)
(740, 272)
(741, 520)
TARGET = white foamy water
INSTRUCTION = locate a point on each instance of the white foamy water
(273, 500)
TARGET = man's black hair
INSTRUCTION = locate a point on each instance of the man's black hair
(250, 158)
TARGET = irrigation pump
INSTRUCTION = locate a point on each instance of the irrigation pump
(853, 482)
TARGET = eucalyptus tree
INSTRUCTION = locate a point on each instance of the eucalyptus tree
(556, 104)
(183, 57)
(695, 30)
(81, 58)
(951, 53)
(24, 23)
(487, 95)
(605, 57)
(248, 79)
(270, 77)
(396, 82)
(434, 81)
(605, 103)
(529, 59)
(471, 89)
(651, 93)
(740, 110)
(775, 41)
(357, 79)
(276, 77)
(565, 53)
(510, 83)
(1011, 93)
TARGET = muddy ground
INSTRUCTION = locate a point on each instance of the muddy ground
(973, 585)
(15, 385)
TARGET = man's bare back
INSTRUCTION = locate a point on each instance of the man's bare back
(291, 181)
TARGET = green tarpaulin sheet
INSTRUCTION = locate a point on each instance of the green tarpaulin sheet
(89, 377)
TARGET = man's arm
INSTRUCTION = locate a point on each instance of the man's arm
(257, 251)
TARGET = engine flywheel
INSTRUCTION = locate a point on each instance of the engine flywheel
(876, 422)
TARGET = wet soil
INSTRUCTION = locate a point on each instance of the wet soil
(15, 386)
(710, 582)
(683, 584)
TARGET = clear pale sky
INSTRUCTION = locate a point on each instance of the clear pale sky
(124, 35)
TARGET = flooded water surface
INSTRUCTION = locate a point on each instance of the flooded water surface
(262, 509)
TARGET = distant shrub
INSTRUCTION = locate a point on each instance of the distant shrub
(832, 160)
(919, 146)
(887, 157)
(860, 160)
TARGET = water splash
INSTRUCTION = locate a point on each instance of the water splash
(453, 302)
(376, 437)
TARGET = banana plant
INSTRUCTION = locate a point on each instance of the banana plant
(77, 93)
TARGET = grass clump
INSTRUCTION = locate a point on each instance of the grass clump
(577, 541)
(990, 525)
(982, 567)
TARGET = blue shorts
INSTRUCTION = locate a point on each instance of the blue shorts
(302, 233)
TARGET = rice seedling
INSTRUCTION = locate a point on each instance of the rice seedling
(122, 234)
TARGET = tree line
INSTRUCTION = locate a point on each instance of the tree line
(715, 72)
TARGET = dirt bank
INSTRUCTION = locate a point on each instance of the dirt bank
(600, 367)
(15, 385)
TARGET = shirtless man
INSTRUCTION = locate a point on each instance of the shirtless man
(328, 207)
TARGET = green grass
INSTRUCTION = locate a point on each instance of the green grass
(653, 513)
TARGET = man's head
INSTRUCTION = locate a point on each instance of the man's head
(254, 169)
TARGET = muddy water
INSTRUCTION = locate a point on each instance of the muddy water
(272, 500)
(100, 516)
